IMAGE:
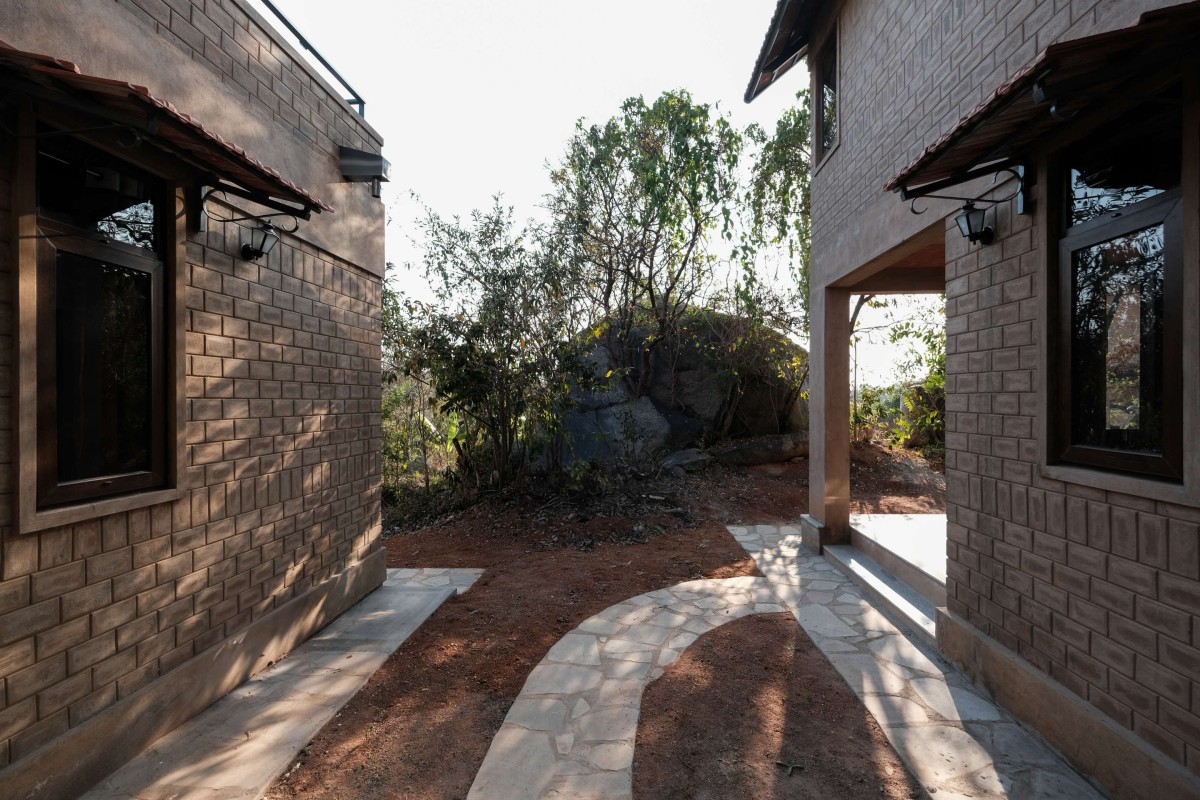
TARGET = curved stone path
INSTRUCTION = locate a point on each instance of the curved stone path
(570, 733)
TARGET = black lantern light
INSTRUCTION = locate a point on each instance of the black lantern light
(971, 223)
(262, 241)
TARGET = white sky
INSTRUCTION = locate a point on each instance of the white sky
(475, 97)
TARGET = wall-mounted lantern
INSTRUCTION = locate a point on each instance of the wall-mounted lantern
(972, 223)
(259, 241)
(971, 219)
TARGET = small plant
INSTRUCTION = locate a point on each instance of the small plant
(874, 415)
(922, 423)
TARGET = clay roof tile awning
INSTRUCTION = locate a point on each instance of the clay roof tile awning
(159, 121)
(1067, 80)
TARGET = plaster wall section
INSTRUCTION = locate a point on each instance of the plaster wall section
(221, 63)
(907, 73)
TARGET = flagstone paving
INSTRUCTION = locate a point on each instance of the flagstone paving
(435, 578)
(571, 731)
(239, 745)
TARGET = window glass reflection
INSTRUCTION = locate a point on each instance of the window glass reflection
(1134, 158)
(1116, 377)
(82, 188)
(829, 120)
(103, 368)
(1090, 198)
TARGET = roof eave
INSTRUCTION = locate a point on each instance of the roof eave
(781, 48)
(63, 78)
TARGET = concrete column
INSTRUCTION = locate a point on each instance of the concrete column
(828, 519)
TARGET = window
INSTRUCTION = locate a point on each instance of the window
(827, 119)
(1120, 296)
(99, 326)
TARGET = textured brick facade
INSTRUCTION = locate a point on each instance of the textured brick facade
(243, 55)
(908, 72)
(282, 422)
(1097, 588)
(283, 390)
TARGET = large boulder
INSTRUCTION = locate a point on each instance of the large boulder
(690, 394)
(695, 375)
(630, 430)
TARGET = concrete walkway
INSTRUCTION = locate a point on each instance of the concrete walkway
(239, 745)
(571, 731)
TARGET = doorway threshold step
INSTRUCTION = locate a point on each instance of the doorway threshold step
(904, 604)
(910, 546)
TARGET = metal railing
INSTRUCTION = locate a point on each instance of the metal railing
(355, 98)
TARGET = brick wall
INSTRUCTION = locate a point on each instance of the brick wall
(908, 72)
(1098, 589)
(1101, 590)
(283, 439)
(223, 36)
(282, 418)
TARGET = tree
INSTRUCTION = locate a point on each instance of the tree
(498, 345)
(778, 198)
(745, 325)
(637, 200)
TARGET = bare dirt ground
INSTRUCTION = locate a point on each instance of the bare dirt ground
(420, 728)
(773, 716)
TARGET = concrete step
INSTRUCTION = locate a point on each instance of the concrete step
(904, 605)
(932, 587)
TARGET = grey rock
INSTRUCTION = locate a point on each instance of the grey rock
(633, 428)
(691, 460)
(765, 450)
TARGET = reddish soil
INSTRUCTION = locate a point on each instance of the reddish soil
(420, 728)
(704, 736)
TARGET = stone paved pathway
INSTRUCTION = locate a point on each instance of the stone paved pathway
(952, 738)
(240, 744)
(435, 578)
(571, 731)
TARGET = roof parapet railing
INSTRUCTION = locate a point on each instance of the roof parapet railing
(355, 98)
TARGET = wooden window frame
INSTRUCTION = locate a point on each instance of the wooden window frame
(1048, 197)
(1166, 210)
(821, 150)
(54, 238)
(31, 252)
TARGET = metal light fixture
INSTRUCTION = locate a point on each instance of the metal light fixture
(971, 223)
(362, 166)
(262, 241)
